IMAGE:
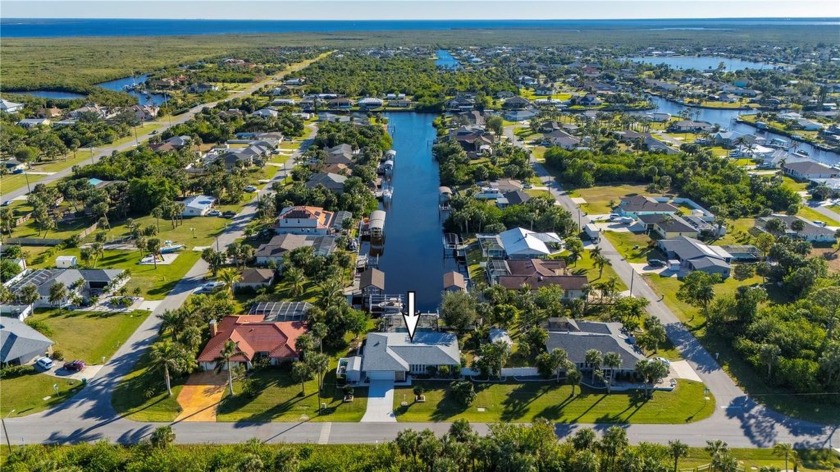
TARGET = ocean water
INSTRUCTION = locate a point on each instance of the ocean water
(29, 27)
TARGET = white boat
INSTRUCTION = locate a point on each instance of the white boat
(801, 153)
(391, 305)
(387, 194)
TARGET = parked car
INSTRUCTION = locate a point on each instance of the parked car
(250, 189)
(212, 287)
(44, 363)
(614, 216)
(214, 213)
(656, 263)
(76, 365)
(819, 223)
(7, 203)
(229, 214)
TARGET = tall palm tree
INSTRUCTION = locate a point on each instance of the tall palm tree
(153, 246)
(302, 373)
(319, 363)
(58, 292)
(296, 279)
(785, 450)
(229, 276)
(600, 262)
(229, 350)
(170, 357)
(319, 332)
(560, 361)
(594, 359)
(97, 250)
(29, 295)
(677, 449)
(612, 360)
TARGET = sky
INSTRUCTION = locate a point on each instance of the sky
(417, 10)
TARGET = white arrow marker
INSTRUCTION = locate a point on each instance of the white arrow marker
(411, 317)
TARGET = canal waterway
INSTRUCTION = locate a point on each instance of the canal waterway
(413, 255)
(445, 60)
(702, 63)
(726, 119)
(52, 94)
(119, 85)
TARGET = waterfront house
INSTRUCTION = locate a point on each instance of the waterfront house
(393, 356)
(83, 282)
(576, 337)
(340, 154)
(689, 126)
(256, 337)
(520, 243)
(198, 205)
(807, 170)
(340, 104)
(274, 250)
(472, 139)
(536, 273)
(304, 220)
(810, 232)
(50, 113)
(332, 182)
(370, 103)
(691, 254)
(7, 106)
(20, 344)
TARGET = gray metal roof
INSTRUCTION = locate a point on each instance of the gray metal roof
(396, 351)
(577, 343)
(18, 340)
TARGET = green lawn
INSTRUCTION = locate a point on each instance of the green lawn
(71, 331)
(754, 459)
(813, 215)
(279, 398)
(141, 395)
(523, 402)
(598, 198)
(634, 247)
(154, 283)
(206, 228)
(737, 232)
(32, 392)
(586, 266)
(733, 362)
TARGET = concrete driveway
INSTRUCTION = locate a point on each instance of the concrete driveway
(380, 406)
(201, 395)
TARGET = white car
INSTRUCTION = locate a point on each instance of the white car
(44, 363)
(250, 189)
(211, 287)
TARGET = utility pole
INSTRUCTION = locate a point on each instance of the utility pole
(6, 432)
(632, 279)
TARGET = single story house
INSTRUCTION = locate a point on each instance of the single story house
(472, 139)
(393, 356)
(520, 243)
(562, 139)
(695, 255)
(198, 205)
(19, 343)
(255, 278)
(810, 231)
(742, 252)
(83, 282)
(637, 205)
(304, 220)
(689, 126)
(668, 226)
(536, 273)
(255, 339)
(371, 102)
(274, 250)
(807, 170)
(13, 165)
(7, 106)
(516, 103)
(33, 122)
(576, 337)
(333, 182)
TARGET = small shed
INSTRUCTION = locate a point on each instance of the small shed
(66, 262)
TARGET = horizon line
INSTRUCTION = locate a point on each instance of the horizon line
(432, 19)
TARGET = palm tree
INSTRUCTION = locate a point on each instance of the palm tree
(296, 279)
(573, 376)
(785, 450)
(229, 276)
(613, 361)
(593, 359)
(301, 372)
(677, 449)
(319, 332)
(716, 449)
(170, 357)
(229, 350)
(319, 363)
(157, 213)
(153, 246)
(58, 292)
(97, 250)
(600, 261)
(29, 295)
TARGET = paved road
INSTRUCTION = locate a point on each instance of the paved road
(738, 420)
(737, 416)
(167, 122)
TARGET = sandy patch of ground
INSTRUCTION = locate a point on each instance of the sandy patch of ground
(201, 395)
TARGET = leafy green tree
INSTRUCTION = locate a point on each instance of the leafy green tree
(769, 356)
(462, 391)
(458, 310)
(153, 246)
(697, 289)
(785, 450)
(294, 276)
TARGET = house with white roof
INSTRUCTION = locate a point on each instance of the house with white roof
(10, 107)
(198, 205)
(520, 243)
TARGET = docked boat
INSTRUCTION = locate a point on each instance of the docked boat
(779, 143)
(391, 305)
(387, 194)
(377, 227)
(390, 155)
(801, 153)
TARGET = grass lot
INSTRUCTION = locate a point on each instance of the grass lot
(141, 395)
(32, 392)
(206, 230)
(793, 184)
(71, 331)
(279, 398)
(585, 266)
(737, 232)
(626, 244)
(739, 369)
(754, 459)
(154, 283)
(598, 198)
(811, 214)
(523, 402)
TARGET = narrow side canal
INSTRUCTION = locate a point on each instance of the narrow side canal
(413, 255)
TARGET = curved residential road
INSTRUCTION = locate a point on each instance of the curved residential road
(89, 416)
(166, 122)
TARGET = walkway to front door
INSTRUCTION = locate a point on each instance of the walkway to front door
(380, 405)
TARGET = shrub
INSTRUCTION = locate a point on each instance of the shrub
(418, 390)
(462, 391)
(58, 355)
(348, 390)
(162, 437)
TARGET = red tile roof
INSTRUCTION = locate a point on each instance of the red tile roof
(253, 335)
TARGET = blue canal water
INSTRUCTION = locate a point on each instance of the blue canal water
(445, 60)
(120, 84)
(413, 256)
(702, 62)
(40, 27)
(726, 120)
